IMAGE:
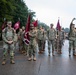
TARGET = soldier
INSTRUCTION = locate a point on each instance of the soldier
(75, 38)
(40, 39)
(16, 40)
(31, 48)
(44, 39)
(20, 40)
(8, 36)
(25, 47)
(59, 40)
(22, 37)
(72, 38)
(36, 42)
(51, 34)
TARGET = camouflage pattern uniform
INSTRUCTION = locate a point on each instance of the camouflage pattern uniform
(44, 39)
(72, 39)
(15, 41)
(51, 34)
(31, 47)
(20, 40)
(22, 37)
(25, 47)
(59, 41)
(75, 39)
(8, 36)
(40, 39)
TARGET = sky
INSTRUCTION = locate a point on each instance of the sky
(49, 11)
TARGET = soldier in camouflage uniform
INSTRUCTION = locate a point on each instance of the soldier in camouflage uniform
(59, 40)
(44, 39)
(22, 37)
(75, 38)
(40, 39)
(72, 38)
(25, 47)
(8, 36)
(51, 34)
(31, 47)
(20, 40)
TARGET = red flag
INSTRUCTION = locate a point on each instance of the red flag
(58, 26)
(4, 25)
(17, 25)
(27, 29)
(35, 23)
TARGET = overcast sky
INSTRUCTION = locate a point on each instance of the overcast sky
(48, 11)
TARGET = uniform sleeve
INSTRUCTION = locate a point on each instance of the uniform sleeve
(34, 35)
(48, 33)
(55, 33)
(4, 36)
(15, 36)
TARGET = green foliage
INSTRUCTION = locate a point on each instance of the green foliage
(66, 30)
(14, 9)
(43, 25)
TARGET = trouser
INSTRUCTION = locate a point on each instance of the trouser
(31, 50)
(44, 44)
(40, 45)
(7, 47)
(51, 42)
(26, 48)
(71, 46)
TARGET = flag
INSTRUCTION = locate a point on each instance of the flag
(27, 29)
(35, 23)
(58, 27)
(4, 25)
(17, 25)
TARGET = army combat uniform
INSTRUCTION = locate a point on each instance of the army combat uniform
(59, 41)
(8, 35)
(72, 39)
(31, 47)
(51, 34)
(40, 39)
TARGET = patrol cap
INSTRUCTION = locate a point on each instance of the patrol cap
(9, 22)
(23, 27)
(31, 25)
(51, 24)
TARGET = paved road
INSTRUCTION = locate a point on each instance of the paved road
(45, 65)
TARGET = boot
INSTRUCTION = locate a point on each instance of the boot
(40, 52)
(74, 54)
(53, 53)
(4, 62)
(69, 53)
(48, 52)
(12, 62)
(34, 58)
(29, 59)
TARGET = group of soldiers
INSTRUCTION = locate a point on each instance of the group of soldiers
(38, 37)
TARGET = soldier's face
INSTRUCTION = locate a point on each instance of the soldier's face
(9, 24)
(73, 26)
(32, 28)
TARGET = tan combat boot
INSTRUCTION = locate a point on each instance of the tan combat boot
(4, 62)
(29, 59)
(12, 62)
(74, 54)
(34, 58)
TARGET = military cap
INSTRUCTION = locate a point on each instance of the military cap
(31, 25)
(9, 22)
(51, 24)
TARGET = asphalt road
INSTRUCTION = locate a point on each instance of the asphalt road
(60, 64)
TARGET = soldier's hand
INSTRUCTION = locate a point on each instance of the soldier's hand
(30, 34)
(10, 42)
